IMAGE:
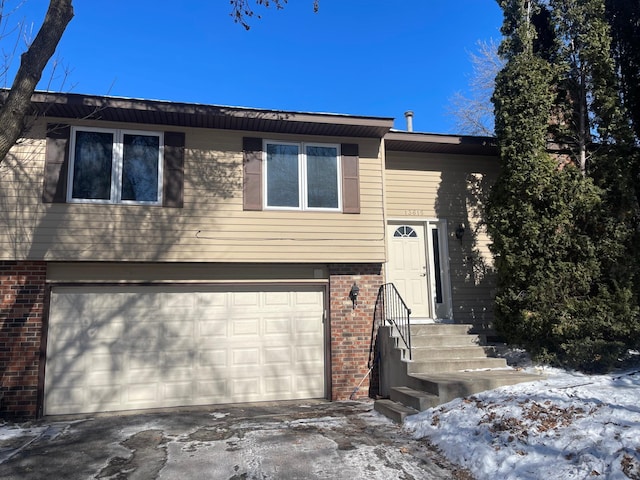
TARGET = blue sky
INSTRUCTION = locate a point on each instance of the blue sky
(360, 57)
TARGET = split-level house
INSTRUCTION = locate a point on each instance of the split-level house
(159, 254)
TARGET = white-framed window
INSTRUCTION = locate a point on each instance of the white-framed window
(115, 166)
(302, 176)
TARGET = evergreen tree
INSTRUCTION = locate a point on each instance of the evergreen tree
(589, 74)
(559, 229)
(624, 19)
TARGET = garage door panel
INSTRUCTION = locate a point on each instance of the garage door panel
(303, 298)
(245, 327)
(212, 300)
(104, 362)
(306, 324)
(212, 390)
(178, 391)
(73, 397)
(277, 299)
(277, 356)
(309, 381)
(144, 365)
(244, 299)
(275, 325)
(305, 356)
(108, 397)
(177, 358)
(177, 300)
(245, 357)
(141, 394)
(213, 359)
(174, 330)
(245, 389)
(280, 385)
(212, 328)
(130, 347)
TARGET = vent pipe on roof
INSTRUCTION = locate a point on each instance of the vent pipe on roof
(409, 116)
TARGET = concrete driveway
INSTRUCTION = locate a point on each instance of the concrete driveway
(290, 440)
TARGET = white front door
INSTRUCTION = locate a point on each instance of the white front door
(407, 266)
(418, 268)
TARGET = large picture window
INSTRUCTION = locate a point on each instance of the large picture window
(302, 176)
(115, 166)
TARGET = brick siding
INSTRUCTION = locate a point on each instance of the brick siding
(351, 327)
(22, 298)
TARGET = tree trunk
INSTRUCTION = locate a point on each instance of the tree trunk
(18, 102)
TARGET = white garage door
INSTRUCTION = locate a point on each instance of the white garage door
(135, 347)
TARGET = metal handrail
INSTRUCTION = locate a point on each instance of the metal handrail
(391, 308)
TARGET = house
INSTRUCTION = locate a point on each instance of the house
(158, 254)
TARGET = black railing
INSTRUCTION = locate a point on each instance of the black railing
(391, 309)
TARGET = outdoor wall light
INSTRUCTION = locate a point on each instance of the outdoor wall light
(460, 232)
(353, 294)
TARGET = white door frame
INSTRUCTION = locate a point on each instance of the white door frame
(442, 311)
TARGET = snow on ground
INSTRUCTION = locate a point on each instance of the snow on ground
(568, 426)
(8, 433)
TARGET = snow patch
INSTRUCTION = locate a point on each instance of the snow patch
(569, 426)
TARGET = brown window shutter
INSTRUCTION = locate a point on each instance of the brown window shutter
(56, 163)
(350, 178)
(173, 181)
(252, 176)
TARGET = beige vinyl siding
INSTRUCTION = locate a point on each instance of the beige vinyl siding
(212, 226)
(451, 188)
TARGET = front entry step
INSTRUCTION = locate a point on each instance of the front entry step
(447, 363)
(396, 411)
(455, 364)
(416, 399)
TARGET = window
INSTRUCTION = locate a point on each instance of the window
(302, 176)
(115, 166)
(405, 231)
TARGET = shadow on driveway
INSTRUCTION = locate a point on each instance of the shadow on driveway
(283, 440)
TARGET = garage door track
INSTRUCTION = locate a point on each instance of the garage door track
(284, 440)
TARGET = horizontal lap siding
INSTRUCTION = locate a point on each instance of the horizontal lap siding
(212, 226)
(451, 188)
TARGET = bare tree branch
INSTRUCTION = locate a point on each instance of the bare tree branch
(243, 10)
(474, 113)
(32, 64)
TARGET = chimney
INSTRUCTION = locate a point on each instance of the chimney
(409, 116)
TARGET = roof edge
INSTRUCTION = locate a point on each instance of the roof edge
(73, 105)
(440, 143)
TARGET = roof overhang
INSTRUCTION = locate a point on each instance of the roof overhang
(155, 112)
(437, 143)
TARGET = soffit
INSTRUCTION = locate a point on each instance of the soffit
(436, 143)
(208, 116)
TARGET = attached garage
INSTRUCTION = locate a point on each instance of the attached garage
(134, 347)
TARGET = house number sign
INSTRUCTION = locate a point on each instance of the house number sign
(414, 213)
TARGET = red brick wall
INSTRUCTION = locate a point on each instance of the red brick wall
(351, 328)
(22, 297)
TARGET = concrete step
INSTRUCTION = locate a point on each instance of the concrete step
(440, 329)
(448, 386)
(444, 340)
(393, 410)
(416, 399)
(440, 353)
(454, 365)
